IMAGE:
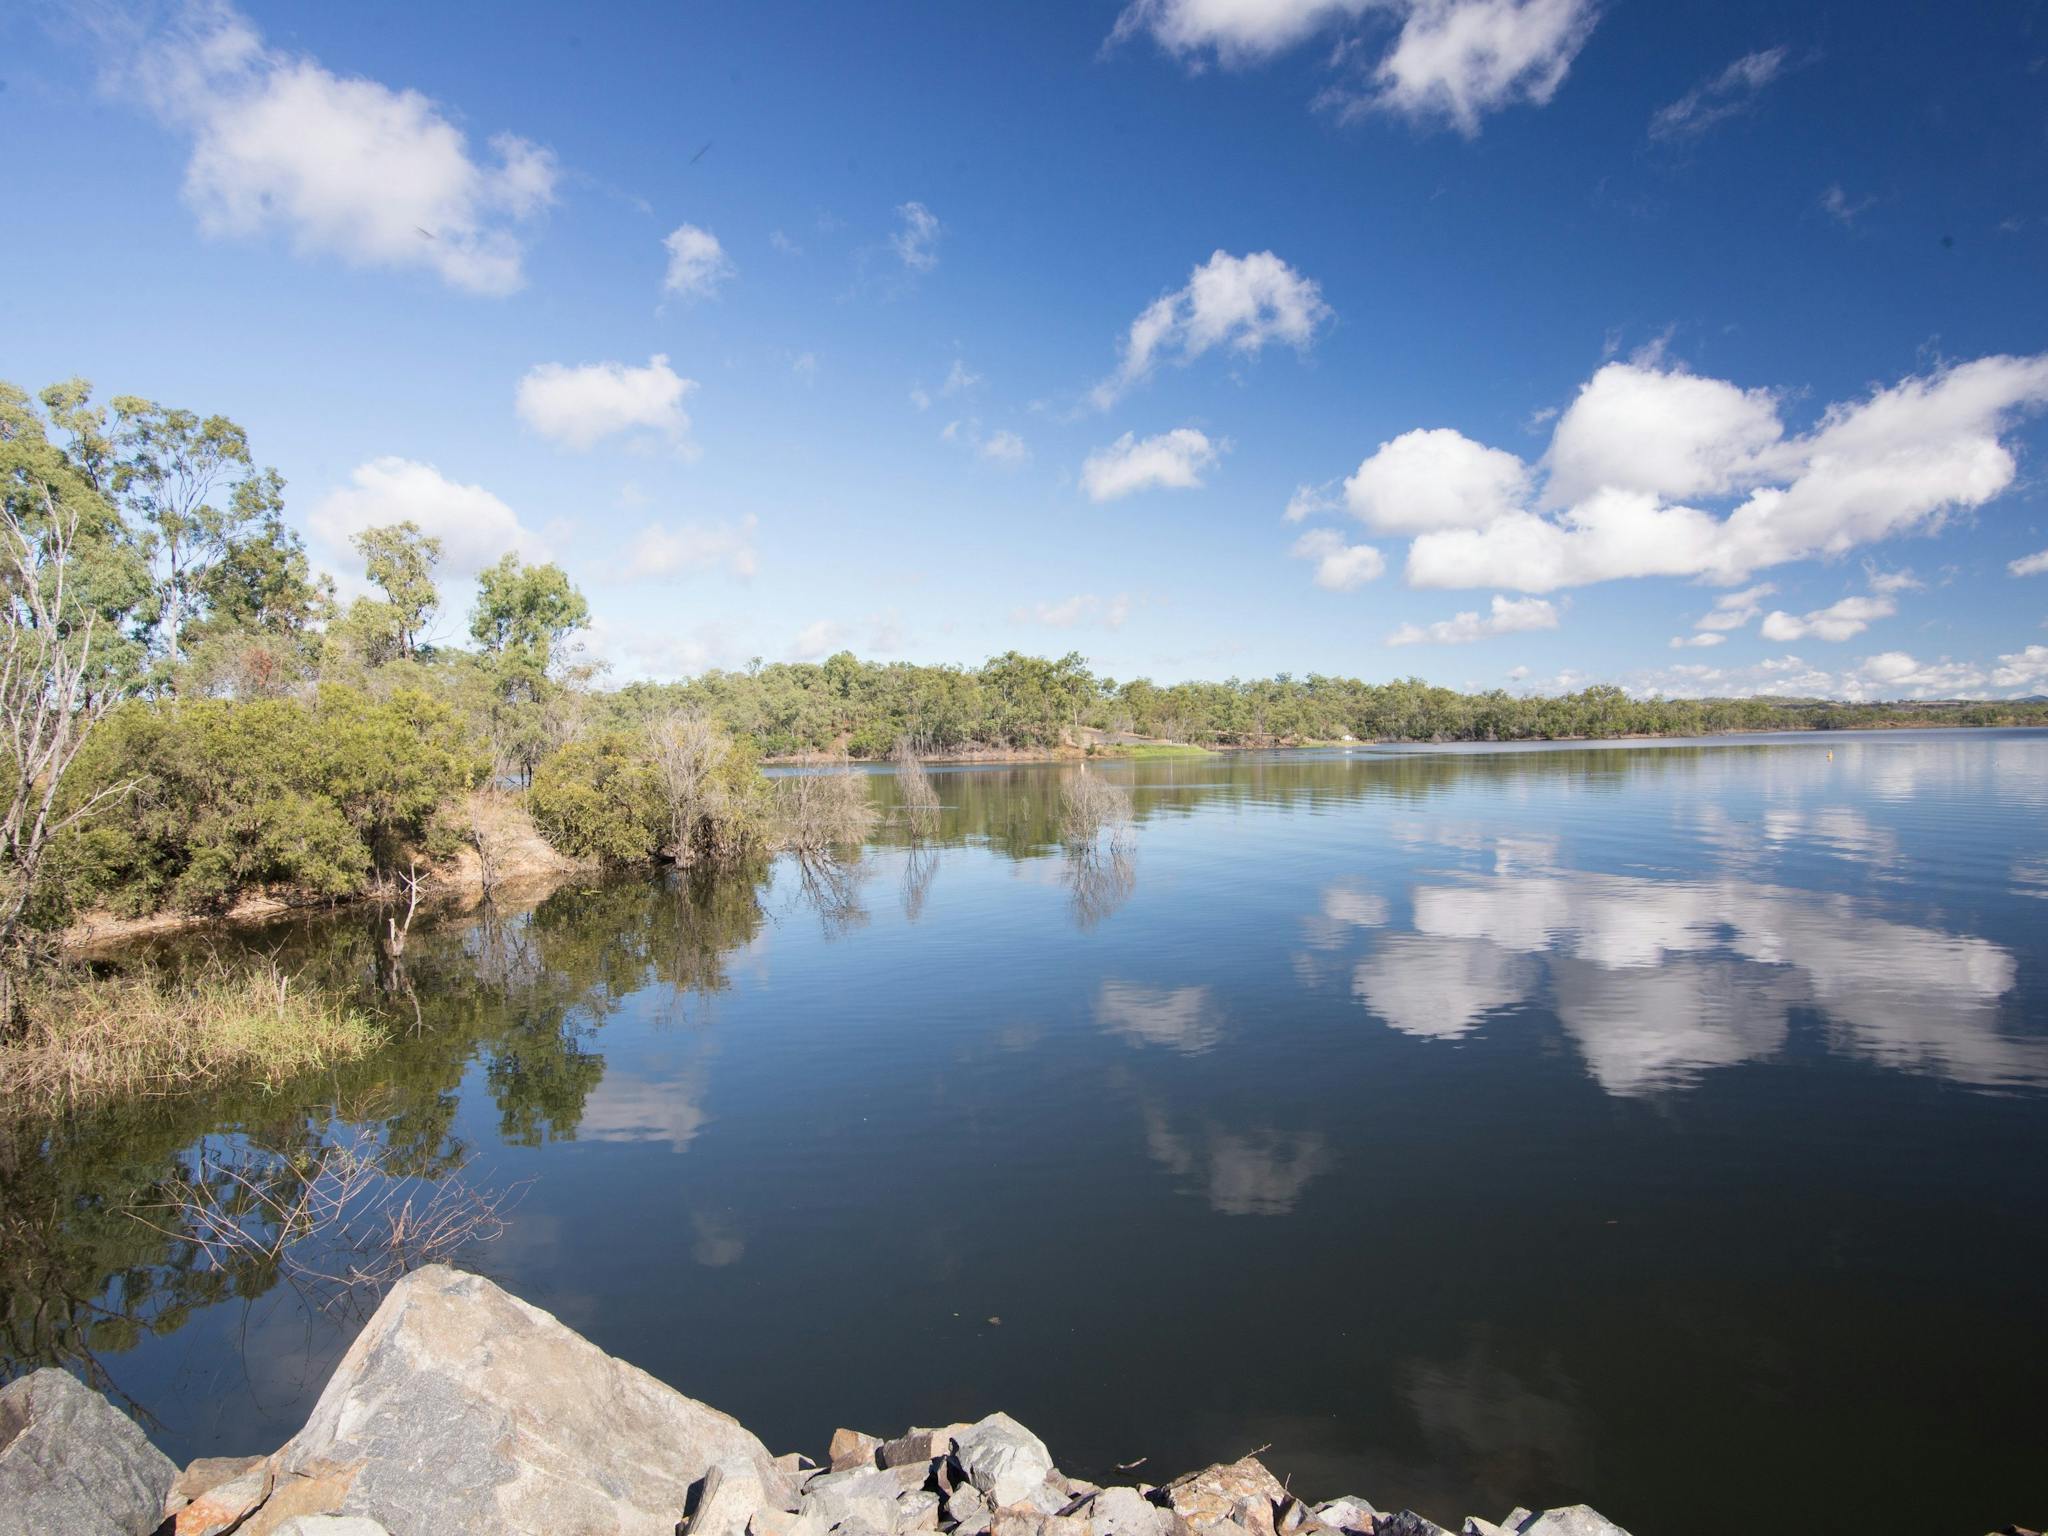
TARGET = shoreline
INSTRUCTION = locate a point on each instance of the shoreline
(461, 1410)
(532, 868)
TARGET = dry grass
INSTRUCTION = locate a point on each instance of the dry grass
(83, 1038)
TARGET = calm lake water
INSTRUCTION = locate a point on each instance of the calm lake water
(1664, 1126)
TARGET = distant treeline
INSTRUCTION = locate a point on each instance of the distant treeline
(1016, 702)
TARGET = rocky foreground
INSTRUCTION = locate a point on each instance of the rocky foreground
(462, 1411)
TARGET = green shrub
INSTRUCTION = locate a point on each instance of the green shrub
(677, 788)
(597, 798)
(229, 797)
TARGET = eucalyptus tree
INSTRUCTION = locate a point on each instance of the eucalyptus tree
(400, 560)
(69, 575)
(522, 621)
(195, 496)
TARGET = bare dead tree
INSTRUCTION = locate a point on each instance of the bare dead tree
(1094, 810)
(920, 799)
(484, 837)
(824, 810)
(398, 931)
(48, 704)
(690, 754)
(1095, 826)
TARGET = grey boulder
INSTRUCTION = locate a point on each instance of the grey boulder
(461, 1410)
(1126, 1512)
(1003, 1459)
(861, 1498)
(1572, 1520)
(71, 1461)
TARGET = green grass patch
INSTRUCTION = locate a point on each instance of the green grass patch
(1162, 749)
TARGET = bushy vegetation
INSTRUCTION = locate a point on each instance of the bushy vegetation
(223, 797)
(676, 788)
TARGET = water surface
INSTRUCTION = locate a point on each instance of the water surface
(1664, 1126)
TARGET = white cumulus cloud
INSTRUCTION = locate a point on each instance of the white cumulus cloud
(1457, 60)
(1698, 640)
(1450, 61)
(475, 527)
(341, 165)
(1235, 31)
(1732, 610)
(1642, 443)
(2029, 565)
(1636, 427)
(1174, 460)
(2027, 669)
(697, 263)
(1340, 567)
(1242, 302)
(1838, 621)
(1507, 616)
(577, 406)
(1435, 478)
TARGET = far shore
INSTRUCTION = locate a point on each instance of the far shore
(538, 869)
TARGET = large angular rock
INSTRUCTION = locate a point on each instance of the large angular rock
(968, 1510)
(1031, 1522)
(1407, 1523)
(1238, 1491)
(331, 1525)
(861, 1498)
(1126, 1512)
(461, 1410)
(224, 1505)
(1572, 1520)
(1348, 1513)
(208, 1473)
(1002, 1458)
(918, 1445)
(850, 1448)
(71, 1461)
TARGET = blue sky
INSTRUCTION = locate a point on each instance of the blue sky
(1503, 342)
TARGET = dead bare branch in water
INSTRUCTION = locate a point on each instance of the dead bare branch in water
(825, 809)
(331, 1220)
(920, 799)
(1094, 810)
(1095, 825)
